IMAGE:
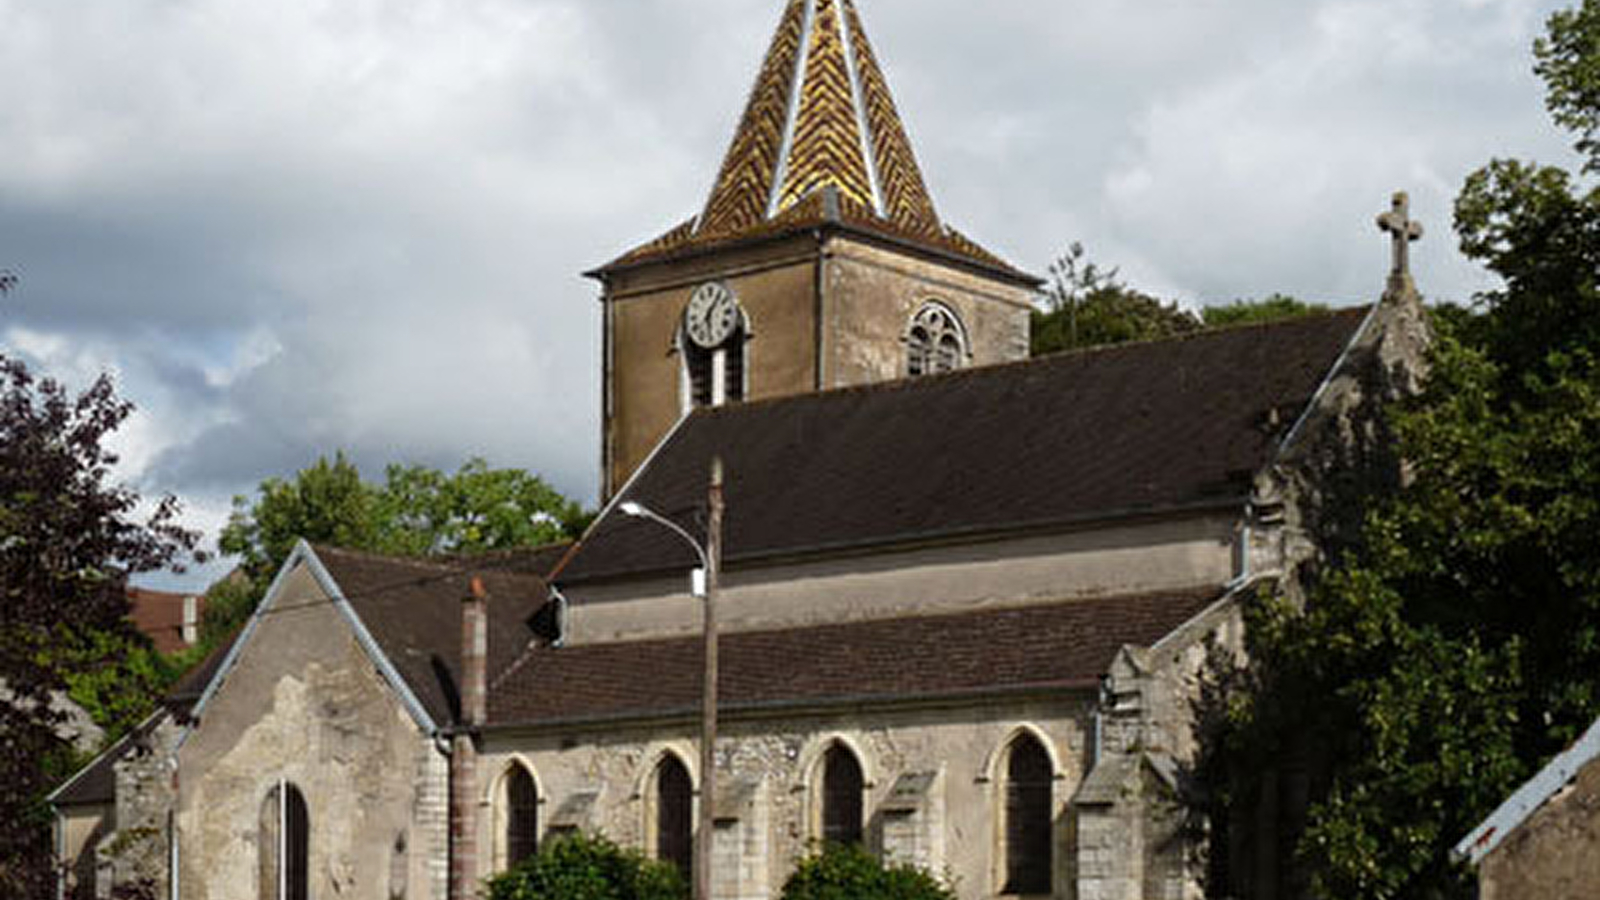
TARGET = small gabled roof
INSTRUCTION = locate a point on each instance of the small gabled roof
(1527, 800)
(1060, 646)
(1074, 438)
(406, 614)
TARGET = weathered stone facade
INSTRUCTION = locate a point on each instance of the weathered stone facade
(930, 783)
(1555, 853)
(823, 311)
(304, 705)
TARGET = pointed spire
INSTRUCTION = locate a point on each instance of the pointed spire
(820, 116)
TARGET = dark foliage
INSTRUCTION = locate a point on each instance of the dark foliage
(849, 872)
(1458, 647)
(584, 867)
(69, 537)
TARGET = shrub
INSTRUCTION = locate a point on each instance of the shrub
(848, 872)
(585, 867)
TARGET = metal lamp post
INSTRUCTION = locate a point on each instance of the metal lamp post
(710, 557)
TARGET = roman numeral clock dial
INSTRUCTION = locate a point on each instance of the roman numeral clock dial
(712, 315)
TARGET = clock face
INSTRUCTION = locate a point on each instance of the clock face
(712, 316)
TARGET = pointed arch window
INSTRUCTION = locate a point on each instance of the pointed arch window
(1028, 789)
(674, 815)
(935, 342)
(522, 816)
(842, 788)
(283, 845)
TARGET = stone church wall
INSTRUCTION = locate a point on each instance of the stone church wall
(305, 704)
(1173, 554)
(871, 295)
(933, 784)
(776, 286)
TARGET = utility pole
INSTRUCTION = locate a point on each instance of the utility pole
(708, 700)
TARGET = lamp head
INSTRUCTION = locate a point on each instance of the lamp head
(630, 508)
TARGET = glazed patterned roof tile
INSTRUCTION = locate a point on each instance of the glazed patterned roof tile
(820, 132)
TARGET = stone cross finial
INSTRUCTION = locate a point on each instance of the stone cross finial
(1402, 230)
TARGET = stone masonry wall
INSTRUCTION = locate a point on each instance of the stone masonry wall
(952, 831)
(306, 705)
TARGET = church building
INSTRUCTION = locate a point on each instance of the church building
(965, 599)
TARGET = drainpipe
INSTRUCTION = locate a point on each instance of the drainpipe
(464, 752)
(1101, 701)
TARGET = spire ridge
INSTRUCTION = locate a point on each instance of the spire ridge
(820, 115)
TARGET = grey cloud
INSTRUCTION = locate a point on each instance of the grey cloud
(401, 194)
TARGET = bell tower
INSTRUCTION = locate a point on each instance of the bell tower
(818, 261)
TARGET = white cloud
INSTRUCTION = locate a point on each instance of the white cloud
(301, 226)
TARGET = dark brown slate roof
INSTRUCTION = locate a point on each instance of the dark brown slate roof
(1065, 645)
(413, 610)
(1073, 437)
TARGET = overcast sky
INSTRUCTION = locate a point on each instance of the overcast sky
(297, 226)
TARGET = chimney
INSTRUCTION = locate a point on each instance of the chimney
(464, 748)
(474, 655)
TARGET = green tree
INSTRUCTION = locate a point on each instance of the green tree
(1252, 312)
(69, 538)
(326, 503)
(1087, 306)
(416, 511)
(1458, 647)
(583, 867)
(849, 872)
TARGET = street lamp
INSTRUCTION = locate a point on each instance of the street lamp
(705, 586)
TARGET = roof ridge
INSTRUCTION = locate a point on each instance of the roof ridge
(996, 369)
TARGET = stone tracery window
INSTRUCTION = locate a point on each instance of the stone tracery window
(283, 845)
(842, 787)
(1027, 831)
(936, 341)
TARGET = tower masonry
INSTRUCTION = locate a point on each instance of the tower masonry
(818, 262)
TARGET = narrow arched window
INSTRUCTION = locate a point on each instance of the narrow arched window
(522, 816)
(935, 342)
(841, 797)
(674, 815)
(1029, 776)
(283, 845)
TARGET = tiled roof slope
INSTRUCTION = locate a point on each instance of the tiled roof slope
(1062, 645)
(413, 610)
(1138, 427)
(820, 121)
(159, 615)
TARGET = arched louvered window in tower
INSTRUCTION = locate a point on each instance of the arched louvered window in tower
(284, 845)
(522, 816)
(1029, 778)
(674, 815)
(841, 797)
(935, 342)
